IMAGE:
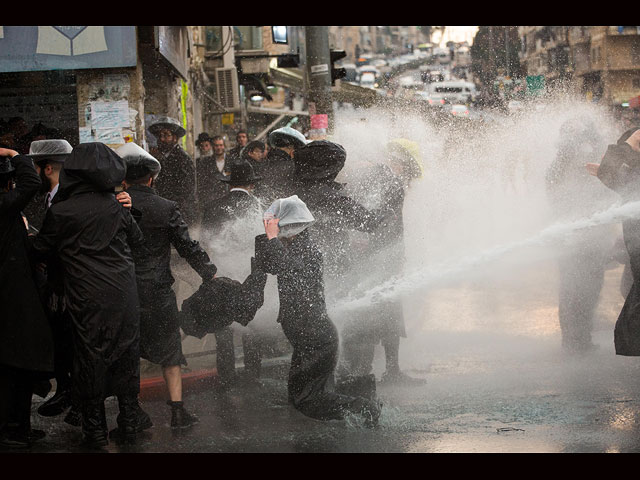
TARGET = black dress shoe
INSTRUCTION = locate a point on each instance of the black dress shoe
(56, 404)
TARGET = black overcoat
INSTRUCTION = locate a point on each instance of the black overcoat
(163, 227)
(92, 236)
(306, 324)
(209, 186)
(25, 335)
(235, 204)
(177, 181)
(336, 213)
(278, 176)
(620, 171)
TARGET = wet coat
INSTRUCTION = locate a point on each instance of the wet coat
(381, 259)
(306, 324)
(92, 236)
(209, 186)
(163, 227)
(233, 205)
(336, 213)
(278, 176)
(25, 336)
(620, 171)
(177, 181)
(573, 193)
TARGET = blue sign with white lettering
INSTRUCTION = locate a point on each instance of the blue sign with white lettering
(33, 48)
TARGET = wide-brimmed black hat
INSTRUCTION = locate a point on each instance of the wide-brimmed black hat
(203, 137)
(170, 124)
(241, 173)
(55, 150)
(139, 162)
(319, 160)
(220, 302)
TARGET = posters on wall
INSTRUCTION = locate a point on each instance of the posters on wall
(108, 117)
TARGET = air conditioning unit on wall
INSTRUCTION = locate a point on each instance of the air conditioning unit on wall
(227, 88)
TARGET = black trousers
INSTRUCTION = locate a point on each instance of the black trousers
(16, 390)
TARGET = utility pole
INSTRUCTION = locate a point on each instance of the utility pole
(318, 65)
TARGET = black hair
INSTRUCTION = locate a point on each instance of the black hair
(252, 145)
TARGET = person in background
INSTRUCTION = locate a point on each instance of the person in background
(573, 194)
(238, 205)
(26, 341)
(209, 171)
(242, 138)
(382, 259)
(279, 174)
(163, 227)
(255, 153)
(178, 181)
(204, 144)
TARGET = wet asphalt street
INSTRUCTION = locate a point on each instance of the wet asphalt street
(497, 381)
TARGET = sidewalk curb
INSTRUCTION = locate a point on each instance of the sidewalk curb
(154, 388)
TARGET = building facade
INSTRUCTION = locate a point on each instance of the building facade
(600, 63)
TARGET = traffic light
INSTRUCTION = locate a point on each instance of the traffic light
(337, 73)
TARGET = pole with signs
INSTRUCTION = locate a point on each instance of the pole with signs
(319, 80)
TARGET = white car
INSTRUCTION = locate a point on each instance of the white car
(460, 111)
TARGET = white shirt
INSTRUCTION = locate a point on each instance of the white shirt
(220, 164)
(51, 194)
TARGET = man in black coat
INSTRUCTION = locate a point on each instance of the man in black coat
(236, 205)
(288, 251)
(279, 174)
(92, 235)
(26, 343)
(209, 170)
(574, 194)
(178, 182)
(163, 227)
(49, 156)
(317, 164)
(382, 259)
(620, 171)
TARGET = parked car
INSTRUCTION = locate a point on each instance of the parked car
(459, 111)
(368, 80)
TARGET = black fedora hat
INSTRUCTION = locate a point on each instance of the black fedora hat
(170, 124)
(203, 137)
(241, 173)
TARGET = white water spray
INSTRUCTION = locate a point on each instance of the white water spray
(440, 274)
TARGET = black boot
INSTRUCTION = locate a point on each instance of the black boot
(180, 418)
(142, 421)
(94, 425)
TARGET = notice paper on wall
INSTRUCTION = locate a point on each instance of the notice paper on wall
(110, 115)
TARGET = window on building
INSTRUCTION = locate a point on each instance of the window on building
(213, 39)
(247, 38)
(635, 82)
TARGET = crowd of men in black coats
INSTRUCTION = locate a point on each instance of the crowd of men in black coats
(86, 241)
(87, 237)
